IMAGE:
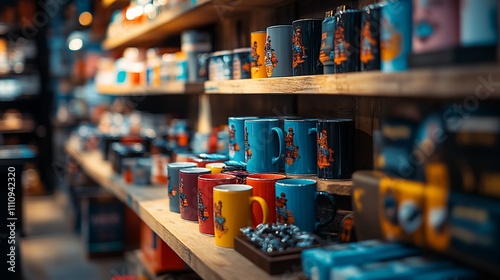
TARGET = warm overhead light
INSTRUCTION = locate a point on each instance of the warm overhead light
(85, 18)
(75, 44)
(134, 12)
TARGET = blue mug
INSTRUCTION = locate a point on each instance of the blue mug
(395, 35)
(173, 183)
(335, 148)
(264, 144)
(300, 146)
(296, 203)
(237, 138)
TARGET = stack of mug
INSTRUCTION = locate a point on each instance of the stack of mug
(287, 50)
(304, 146)
(222, 206)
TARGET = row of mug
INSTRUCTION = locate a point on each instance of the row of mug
(222, 206)
(304, 146)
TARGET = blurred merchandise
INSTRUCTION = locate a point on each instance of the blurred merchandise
(318, 262)
(396, 35)
(32, 184)
(102, 223)
(241, 63)
(159, 256)
(221, 66)
(195, 43)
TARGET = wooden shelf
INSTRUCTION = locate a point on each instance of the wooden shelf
(182, 17)
(151, 205)
(168, 88)
(338, 187)
(455, 82)
(26, 127)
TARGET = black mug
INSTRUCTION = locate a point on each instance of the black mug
(346, 40)
(306, 43)
(335, 142)
(370, 38)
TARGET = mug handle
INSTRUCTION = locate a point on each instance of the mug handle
(281, 140)
(312, 130)
(332, 206)
(263, 205)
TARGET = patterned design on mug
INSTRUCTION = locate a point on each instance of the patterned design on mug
(182, 196)
(248, 151)
(172, 189)
(202, 209)
(325, 153)
(367, 43)
(283, 215)
(270, 57)
(219, 220)
(341, 46)
(233, 145)
(391, 41)
(255, 58)
(292, 151)
(299, 51)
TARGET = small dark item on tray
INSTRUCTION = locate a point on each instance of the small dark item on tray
(275, 248)
(278, 237)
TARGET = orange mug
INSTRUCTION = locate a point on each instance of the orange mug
(264, 187)
(257, 42)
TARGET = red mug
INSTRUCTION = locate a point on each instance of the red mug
(263, 186)
(188, 189)
(206, 184)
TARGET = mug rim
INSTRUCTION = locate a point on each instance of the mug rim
(223, 52)
(270, 177)
(303, 120)
(216, 176)
(182, 164)
(195, 170)
(258, 31)
(304, 19)
(240, 50)
(216, 164)
(279, 25)
(262, 120)
(335, 120)
(306, 182)
(242, 118)
(228, 188)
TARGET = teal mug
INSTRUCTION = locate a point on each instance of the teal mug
(264, 144)
(297, 203)
(300, 146)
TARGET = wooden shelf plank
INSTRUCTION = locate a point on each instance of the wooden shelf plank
(151, 204)
(338, 187)
(456, 82)
(168, 88)
(182, 17)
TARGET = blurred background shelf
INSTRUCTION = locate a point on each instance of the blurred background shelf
(182, 17)
(169, 88)
(443, 83)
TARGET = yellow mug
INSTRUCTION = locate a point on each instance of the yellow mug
(257, 42)
(232, 211)
(215, 167)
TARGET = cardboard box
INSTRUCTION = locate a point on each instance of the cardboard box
(158, 255)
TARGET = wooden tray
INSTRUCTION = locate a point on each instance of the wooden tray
(273, 263)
